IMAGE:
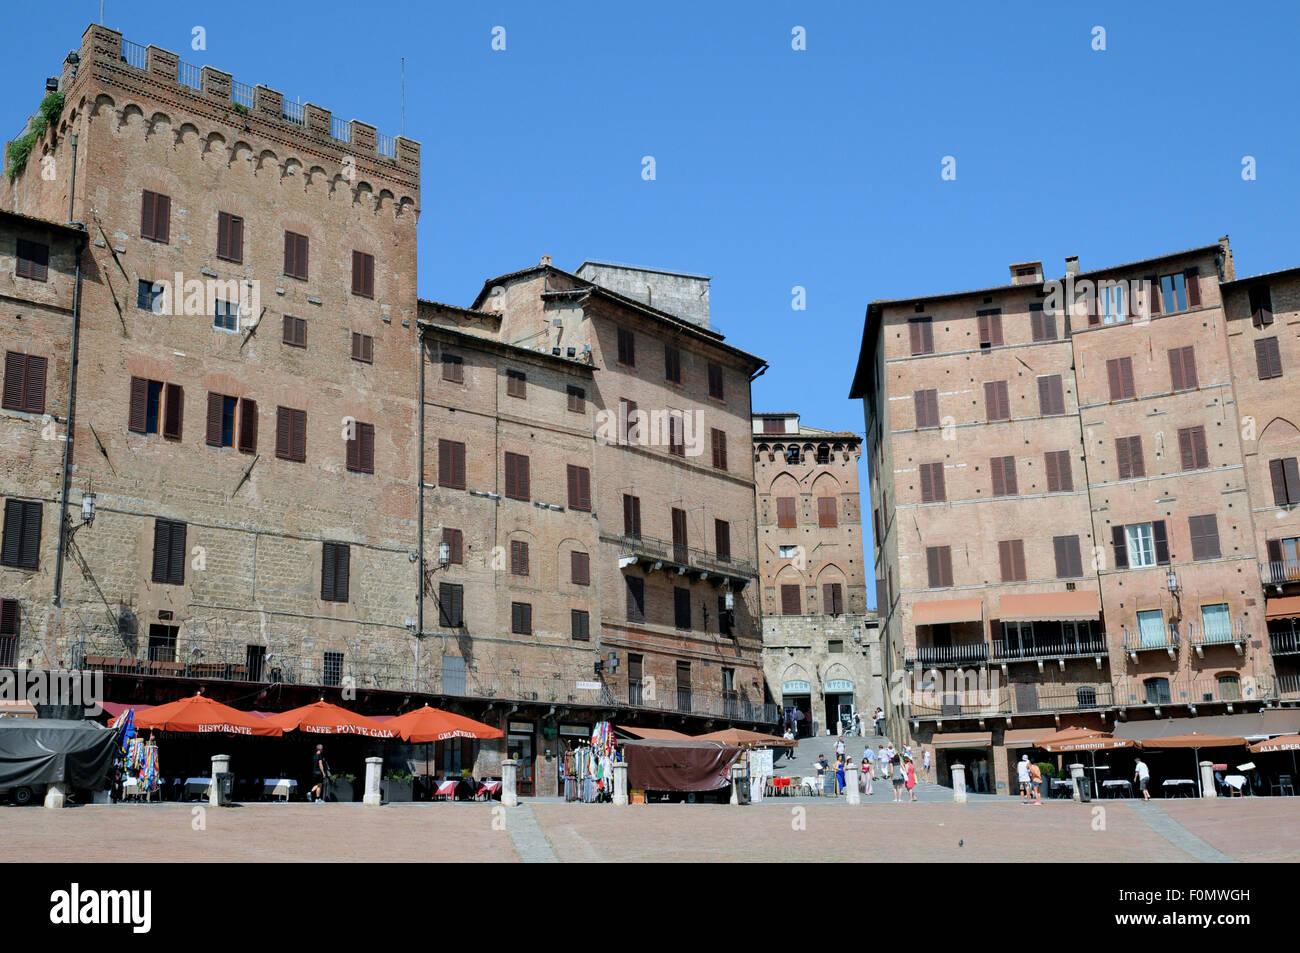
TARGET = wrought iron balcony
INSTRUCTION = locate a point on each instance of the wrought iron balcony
(1137, 642)
(665, 554)
(1284, 643)
(1288, 686)
(1030, 698)
(1234, 634)
(940, 705)
(949, 656)
(1091, 647)
(1279, 573)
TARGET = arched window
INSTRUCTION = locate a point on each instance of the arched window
(1229, 687)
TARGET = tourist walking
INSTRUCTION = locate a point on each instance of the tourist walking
(1022, 775)
(880, 722)
(320, 772)
(1036, 782)
(839, 746)
(839, 775)
(1142, 775)
(911, 777)
(866, 775)
(925, 763)
(899, 781)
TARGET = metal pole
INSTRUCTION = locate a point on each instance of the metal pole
(71, 422)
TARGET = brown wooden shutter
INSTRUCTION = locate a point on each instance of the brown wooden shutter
(247, 425)
(1292, 475)
(147, 214)
(358, 273)
(1126, 376)
(1053, 474)
(1062, 556)
(631, 516)
(1113, 379)
(1005, 566)
(1153, 282)
(162, 218)
(300, 435)
(161, 549)
(1123, 460)
(236, 238)
(1119, 545)
(174, 417)
(284, 433)
(1162, 542)
(934, 569)
(1268, 358)
(786, 517)
(328, 567)
(290, 254)
(354, 449)
(342, 567)
(522, 483)
(137, 416)
(991, 404)
(927, 485)
(216, 404)
(635, 599)
(1193, 289)
(1186, 451)
(223, 235)
(1277, 473)
(995, 473)
(10, 620)
(1261, 306)
(177, 555)
(790, 599)
(1200, 451)
(722, 539)
(827, 516)
(15, 377)
(1275, 553)
(580, 568)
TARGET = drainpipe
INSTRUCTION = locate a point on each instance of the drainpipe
(72, 394)
(419, 598)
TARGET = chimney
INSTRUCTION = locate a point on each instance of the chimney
(1072, 265)
(546, 261)
(1027, 273)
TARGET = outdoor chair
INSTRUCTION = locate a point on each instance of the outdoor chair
(1282, 785)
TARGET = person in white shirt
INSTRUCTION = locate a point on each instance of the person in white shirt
(925, 762)
(1022, 775)
(1142, 775)
(883, 755)
(839, 746)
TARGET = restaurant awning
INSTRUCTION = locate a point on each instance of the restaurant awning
(1280, 743)
(1193, 741)
(962, 739)
(657, 734)
(1083, 739)
(1050, 607)
(1285, 608)
(1252, 726)
(1024, 737)
(948, 611)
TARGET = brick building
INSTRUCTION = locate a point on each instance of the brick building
(1067, 516)
(821, 652)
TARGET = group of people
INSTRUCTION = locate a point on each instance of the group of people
(894, 766)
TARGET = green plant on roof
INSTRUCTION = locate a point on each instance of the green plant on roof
(20, 150)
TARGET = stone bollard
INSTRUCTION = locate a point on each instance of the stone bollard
(1207, 780)
(959, 784)
(739, 776)
(220, 766)
(1076, 775)
(510, 783)
(620, 782)
(851, 793)
(373, 796)
(56, 795)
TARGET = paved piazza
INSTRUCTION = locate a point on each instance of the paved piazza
(802, 830)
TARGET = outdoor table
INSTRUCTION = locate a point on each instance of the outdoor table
(279, 787)
(488, 788)
(1114, 787)
(444, 788)
(197, 786)
(1177, 784)
(1237, 782)
(1060, 787)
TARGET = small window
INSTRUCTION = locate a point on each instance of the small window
(577, 400)
(22, 534)
(24, 385)
(676, 433)
(835, 646)
(295, 255)
(1119, 375)
(773, 425)
(790, 602)
(832, 599)
(672, 364)
(295, 331)
(926, 406)
(363, 348)
(579, 568)
(933, 489)
(635, 598)
(990, 328)
(1268, 358)
(1285, 477)
(626, 347)
(145, 409)
(33, 260)
(149, 296)
(921, 335)
(221, 420)
(517, 477)
(518, 557)
(155, 217)
(997, 401)
(1069, 564)
(1011, 556)
(335, 560)
(631, 516)
(455, 541)
(332, 668)
(291, 434)
(451, 464)
(226, 315)
(451, 605)
(1261, 306)
(1192, 450)
(1042, 324)
(361, 448)
(1173, 293)
(363, 274)
(1204, 531)
(1182, 368)
(827, 515)
(521, 618)
(1002, 470)
(1060, 478)
(516, 384)
(787, 552)
(939, 566)
(1128, 457)
(722, 540)
(580, 625)
(453, 368)
(785, 513)
(682, 608)
(715, 382)
(1051, 395)
(230, 237)
(719, 441)
(579, 479)
(169, 552)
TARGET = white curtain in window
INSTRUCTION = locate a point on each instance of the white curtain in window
(1151, 627)
(1141, 545)
(1217, 623)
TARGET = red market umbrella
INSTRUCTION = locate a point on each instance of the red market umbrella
(323, 718)
(433, 724)
(1082, 739)
(1196, 742)
(199, 714)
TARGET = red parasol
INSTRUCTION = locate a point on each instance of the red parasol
(323, 718)
(433, 724)
(199, 714)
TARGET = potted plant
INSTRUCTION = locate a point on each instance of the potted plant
(339, 787)
(398, 786)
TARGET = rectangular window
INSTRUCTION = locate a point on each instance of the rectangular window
(363, 348)
(682, 608)
(24, 386)
(635, 598)
(921, 333)
(832, 598)
(997, 402)
(1119, 377)
(932, 486)
(155, 217)
(363, 274)
(1011, 558)
(679, 535)
(295, 331)
(173, 411)
(1182, 368)
(521, 618)
(785, 513)
(676, 434)
(332, 668)
(1261, 306)
(715, 381)
(672, 364)
(518, 557)
(1112, 304)
(722, 540)
(146, 404)
(1268, 358)
(169, 552)
(1151, 632)
(295, 255)
(22, 534)
(518, 486)
(335, 559)
(1192, 449)
(579, 488)
(221, 420)
(1128, 457)
(291, 434)
(626, 347)
(725, 617)
(1060, 479)
(629, 423)
(1173, 293)
(787, 552)
(579, 568)
(632, 516)
(230, 237)
(990, 328)
(1217, 625)
(1205, 536)
(1285, 477)
(225, 315)
(451, 464)
(148, 296)
(827, 515)
(1051, 395)
(453, 368)
(1147, 545)
(577, 399)
(33, 260)
(938, 561)
(926, 403)
(719, 441)
(361, 448)
(790, 599)
(455, 541)
(516, 384)
(1042, 324)
(773, 425)
(580, 625)
(1003, 472)
(247, 425)
(835, 646)
(451, 605)
(1069, 564)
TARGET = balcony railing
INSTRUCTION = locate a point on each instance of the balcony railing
(1247, 687)
(1284, 643)
(1279, 573)
(974, 653)
(292, 112)
(1054, 698)
(133, 54)
(1166, 640)
(1288, 685)
(242, 93)
(694, 560)
(386, 145)
(940, 706)
(1071, 648)
(189, 75)
(340, 129)
(1199, 637)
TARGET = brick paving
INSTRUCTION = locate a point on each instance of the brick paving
(1262, 829)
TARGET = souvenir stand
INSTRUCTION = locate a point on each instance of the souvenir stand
(588, 770)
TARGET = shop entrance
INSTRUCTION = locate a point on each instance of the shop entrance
(839, 706)
(796, 707)
(979, 771)
(520, 747)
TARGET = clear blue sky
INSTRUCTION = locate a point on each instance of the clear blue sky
(778, 168)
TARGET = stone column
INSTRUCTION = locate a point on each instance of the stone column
(56, 795)
(959, 784)
(739, 776)
(510, 783)
(851, 793)
(620, 782)
(373, 797)
(1207, 780)
(220, 766)
(1076, 775)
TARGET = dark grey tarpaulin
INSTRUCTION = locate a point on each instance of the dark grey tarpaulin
(44, 750)
(666, 764)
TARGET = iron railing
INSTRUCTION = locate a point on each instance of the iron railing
(1136, 641)
(242, 93)
(133, 54)
(1197, 634)
(292, 112)
(1284, 643)
(662, 550)
(962, 704)
(188, 75)
(974, 653)
(386, 145)
(1063, 648)
(1279, 573)
(1139, 692)
(340, 129)
(1288, 685)
(1055, 698)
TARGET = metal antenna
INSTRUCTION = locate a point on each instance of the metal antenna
(403, 95)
